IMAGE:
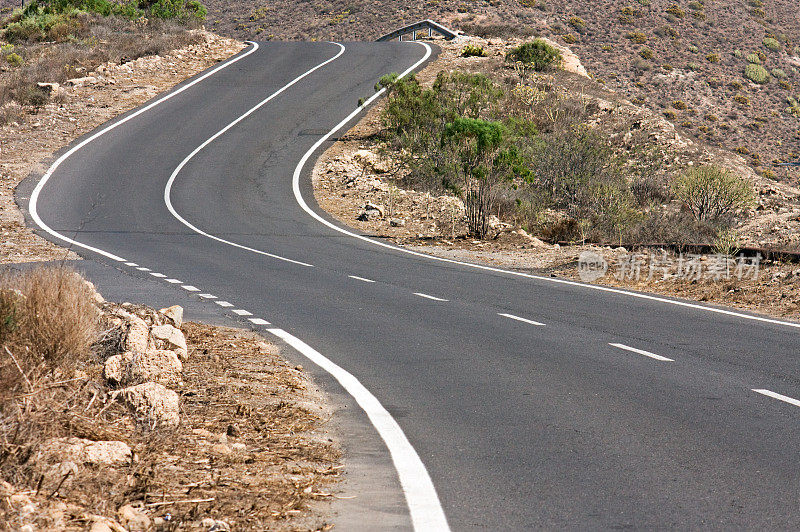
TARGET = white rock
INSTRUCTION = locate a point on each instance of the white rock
(152, 403)
(157, 365)
(172, 338)
(174, 313)
(80, 82)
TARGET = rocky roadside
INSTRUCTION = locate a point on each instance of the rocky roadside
(171, 425)
(358, 186)
(77, 108)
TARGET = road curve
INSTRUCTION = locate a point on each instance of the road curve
(531, 402)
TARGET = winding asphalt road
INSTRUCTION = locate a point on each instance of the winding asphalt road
(547, 421)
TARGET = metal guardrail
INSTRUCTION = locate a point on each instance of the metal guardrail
(427, 24)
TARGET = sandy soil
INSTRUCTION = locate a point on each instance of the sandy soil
(28, 146)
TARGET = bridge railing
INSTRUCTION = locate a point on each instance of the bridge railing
(428, 24)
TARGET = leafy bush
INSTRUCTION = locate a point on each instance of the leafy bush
(756, 73)
(538, 54)
(14, 59)
(711, 192)
(754, 59)
(577, 23)
(472, 50)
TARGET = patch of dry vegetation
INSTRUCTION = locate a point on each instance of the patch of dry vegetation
(249, 452)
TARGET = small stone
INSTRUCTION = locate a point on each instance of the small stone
(220, 449)
(397, 222)
(100, 526)
(233, 430)
(174, 313)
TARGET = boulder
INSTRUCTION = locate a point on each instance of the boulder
(174, 313)
(169, 337)
(80, 82)
(80, 451)
(397, 222)
(152, 403)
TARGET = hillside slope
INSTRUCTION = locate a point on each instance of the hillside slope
(685, 59)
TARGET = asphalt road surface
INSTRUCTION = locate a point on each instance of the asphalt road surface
(550, 422)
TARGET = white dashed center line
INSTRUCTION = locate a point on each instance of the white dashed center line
(190, 288)
(143, 269)
(132, 264)
(208, 296)
(174, 281)
(159, 275)
(778, 396)
(519, 319)
(241, 312)
(223, 304)
(426, 296)
(357, 278)
(259, 321)
(641, 352)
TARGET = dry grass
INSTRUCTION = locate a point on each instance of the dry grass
(95, 41)
(49, 321)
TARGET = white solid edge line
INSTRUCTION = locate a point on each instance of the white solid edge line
(423, 502)
(357, 278)
(299, 197)
(168, 188)
(778, 396)
(426, 296)
(642, 352)
(524, 320)
(32, 203)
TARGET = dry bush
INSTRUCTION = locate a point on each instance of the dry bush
(51, 320)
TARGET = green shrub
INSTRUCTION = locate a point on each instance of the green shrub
(646, 53)
(472, 50)
(778, 73)
(569, 38)
(694, 49)
(711, 192)
(754, 59)
(692, 66)
(738, 54)
(712, 58)
(735, 85)
(741, 99)
(679, 104)
(771, 44)
(577, 23)
(538, 54)
(756, 73)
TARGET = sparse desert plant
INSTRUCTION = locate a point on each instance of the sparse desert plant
(14, 59)
(577, 23)
(778, 73)
(537, 54)
(646, 53)
(712, 58)
(711, 192)
(473, 50)
(741, 99)
(676, 11)
(756, 73)
(670, 115)
(738, 54)
(694, 49)
(754, 59)
(569, 38)
(637, 37)
(771, 44)
(693, 67)
(679, 104)
(726, 242)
